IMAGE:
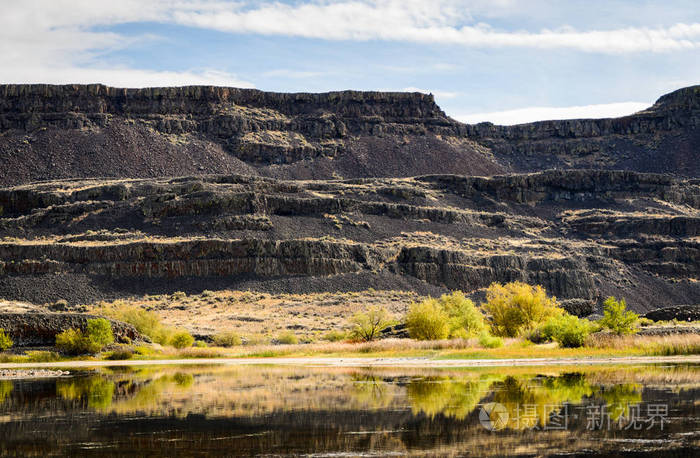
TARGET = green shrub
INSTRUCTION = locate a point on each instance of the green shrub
(182, 339)
(486, 340)
(121, 354)
(427, 320)
(567, 330)
(74, 342)
(5, 340)
(368, 325)
(287, 338)
(178, 295)
(99, 331)
(465, 319)
(146, 323)
(97, 335)
(617, 318)
(517, 308)
(200, 344)
(227, 339)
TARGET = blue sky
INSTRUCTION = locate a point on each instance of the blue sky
(504, 61)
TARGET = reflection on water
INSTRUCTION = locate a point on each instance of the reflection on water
(199, 410)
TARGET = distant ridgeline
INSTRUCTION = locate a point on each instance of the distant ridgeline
(95, 130)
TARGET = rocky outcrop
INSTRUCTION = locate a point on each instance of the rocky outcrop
(40, 329)
(583, 235)
(51, 132)
(677, 312)
(662, 138)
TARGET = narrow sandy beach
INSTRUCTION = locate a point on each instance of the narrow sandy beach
(366, 362)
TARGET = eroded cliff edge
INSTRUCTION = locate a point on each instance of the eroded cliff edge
(582, 234)
(49, 132)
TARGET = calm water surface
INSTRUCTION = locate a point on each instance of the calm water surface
(281, 411)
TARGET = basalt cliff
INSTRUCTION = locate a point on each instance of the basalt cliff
(165, 189)
(582, 234)
(49, 132)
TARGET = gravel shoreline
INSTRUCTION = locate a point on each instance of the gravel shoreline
(10, 374)
(366, 362)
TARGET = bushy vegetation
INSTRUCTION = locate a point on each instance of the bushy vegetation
(287, 338)
(121, 354)
(147, 323)
(182, 339)
(227, 339)
(567, 330)
(617, 318)
(465, 319)
(369, 324)
(517, 308)
(486, 340)
(99, 330)
(97, 335)
(5, 340)
(427, 320)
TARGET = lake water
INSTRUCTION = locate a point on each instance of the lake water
(650, 410)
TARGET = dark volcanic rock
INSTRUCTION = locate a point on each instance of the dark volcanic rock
(677, 312)
(83, 240)
(51, 132)
(95, 130)
(40, 329)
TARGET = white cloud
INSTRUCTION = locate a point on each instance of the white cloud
(54, 41)
(531, 114)
(120, 77)
(60, 40)
(438, 21)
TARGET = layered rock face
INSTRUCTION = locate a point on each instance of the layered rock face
(40, 329)
(50, 132)
(88, 130)
(581, 234)
(662, 138)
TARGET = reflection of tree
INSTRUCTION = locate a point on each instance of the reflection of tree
(183, 380)
(371, 391)
(96, 389)
(619, 398)
(6, 388)
(531, 401)
(443, 395)
(99, 390)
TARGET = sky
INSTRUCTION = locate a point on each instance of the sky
(504, 61)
